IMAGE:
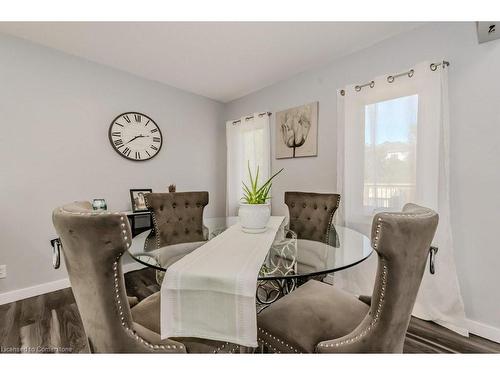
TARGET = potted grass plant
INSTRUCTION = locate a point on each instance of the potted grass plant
(255, 209)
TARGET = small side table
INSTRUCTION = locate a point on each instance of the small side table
(133, 216)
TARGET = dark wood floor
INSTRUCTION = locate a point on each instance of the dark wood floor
(51, 323)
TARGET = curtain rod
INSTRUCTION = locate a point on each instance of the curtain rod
(251, 117)
(391, 78)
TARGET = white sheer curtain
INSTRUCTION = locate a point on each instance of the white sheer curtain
(393, 149)
(248, 141)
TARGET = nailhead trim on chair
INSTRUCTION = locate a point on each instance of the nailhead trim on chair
(233, 350)
(380, 301)
(155, 224)
(278, 340)
(397, 214)
(220, 348)
(385, 270)
(119, 302)
(331, 219)
(377, 231)
(375, 318)
(146, 243)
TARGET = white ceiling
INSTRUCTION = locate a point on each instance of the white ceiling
(219, 60)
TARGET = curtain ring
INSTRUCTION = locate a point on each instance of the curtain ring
(357, 88)
(410, 73)
(433, 67)
(372, 84)
(342, 92)
(390, 79)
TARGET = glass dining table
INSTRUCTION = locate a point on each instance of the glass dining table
(289, 263)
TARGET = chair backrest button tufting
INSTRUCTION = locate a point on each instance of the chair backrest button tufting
(180, 211)
(305, 209)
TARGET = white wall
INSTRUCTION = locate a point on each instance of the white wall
(55, 112)
(474, 78)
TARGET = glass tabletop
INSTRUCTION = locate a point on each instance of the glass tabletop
(288, 257)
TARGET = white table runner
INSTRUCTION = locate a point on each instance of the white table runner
(210, 293)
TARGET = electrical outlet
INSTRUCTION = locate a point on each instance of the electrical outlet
(3, 271)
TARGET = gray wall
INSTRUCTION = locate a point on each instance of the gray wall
(54, 149)
(55, 113)
(474, 82)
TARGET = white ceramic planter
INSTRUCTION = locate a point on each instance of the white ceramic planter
(254, 217)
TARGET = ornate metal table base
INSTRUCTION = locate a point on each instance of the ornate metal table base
(277, 274)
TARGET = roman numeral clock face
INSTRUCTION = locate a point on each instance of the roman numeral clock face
(135, 136)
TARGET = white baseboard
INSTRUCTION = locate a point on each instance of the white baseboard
(483, 330)
(36, 290)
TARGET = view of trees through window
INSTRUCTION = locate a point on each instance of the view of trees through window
(390, 152)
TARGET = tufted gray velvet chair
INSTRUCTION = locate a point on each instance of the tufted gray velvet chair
(93, 244)
(311, 214)
(321, 318)
(177, 217)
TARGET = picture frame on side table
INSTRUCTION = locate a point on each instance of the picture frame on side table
(137, 199)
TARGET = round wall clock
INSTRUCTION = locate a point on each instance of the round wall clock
(135, 136)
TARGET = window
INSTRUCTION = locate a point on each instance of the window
(247, 144)
(253, 152)
(390, 153)
(393, 149)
